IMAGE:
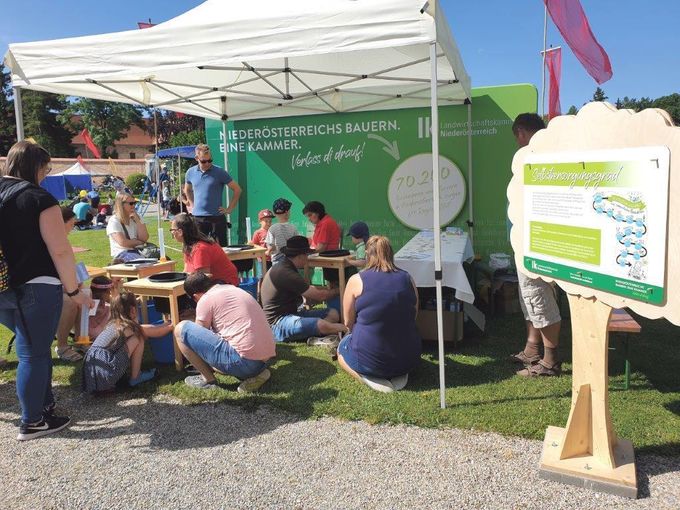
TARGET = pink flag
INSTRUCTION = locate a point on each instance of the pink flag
(572, 23)
(553, 61)
(89, 143)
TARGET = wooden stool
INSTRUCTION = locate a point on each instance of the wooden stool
(621, 322)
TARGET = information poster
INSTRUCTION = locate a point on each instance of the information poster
(599, 219)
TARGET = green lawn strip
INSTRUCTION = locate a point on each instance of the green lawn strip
(483, 393)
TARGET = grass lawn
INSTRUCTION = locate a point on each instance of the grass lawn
(483, 392)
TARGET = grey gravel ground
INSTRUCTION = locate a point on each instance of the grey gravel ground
(126, 453)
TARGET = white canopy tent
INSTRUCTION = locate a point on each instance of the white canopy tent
(79, 169)
(266, 58)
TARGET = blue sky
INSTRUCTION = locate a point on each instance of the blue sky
(499, 40)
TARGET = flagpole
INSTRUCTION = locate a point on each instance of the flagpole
(545, 42)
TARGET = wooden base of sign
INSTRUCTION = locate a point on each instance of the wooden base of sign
(587, 452)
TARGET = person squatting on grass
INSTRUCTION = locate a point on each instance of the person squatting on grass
(380, 307)
(119, 347)
(230, 336)
(283, 289)
(41, 263)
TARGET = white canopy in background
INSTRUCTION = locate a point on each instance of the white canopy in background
(264, 59)
(269, 58)
(79, 169)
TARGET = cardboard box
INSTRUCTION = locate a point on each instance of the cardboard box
(427, 325)
(506, 299)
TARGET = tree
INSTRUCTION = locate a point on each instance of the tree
(187, 138)
(599, 95)
(170, 124)
(7, 120)
(572, 110)
(107, 122)
(40, 112)
(671, 104)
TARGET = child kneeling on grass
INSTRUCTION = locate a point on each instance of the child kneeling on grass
(118, 347)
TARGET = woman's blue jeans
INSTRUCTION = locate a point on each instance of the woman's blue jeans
(41, 306)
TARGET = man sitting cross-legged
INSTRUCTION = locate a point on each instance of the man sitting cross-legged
(230, 335)
(283, 290)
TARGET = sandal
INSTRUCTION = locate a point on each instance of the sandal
(525, 360)
(541, 369)
(69, 354)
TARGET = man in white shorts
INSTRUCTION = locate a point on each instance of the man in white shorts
(537, 298)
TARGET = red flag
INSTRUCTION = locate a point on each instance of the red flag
(572, 23)
(553, 61)
(90, 144)
(144, 24)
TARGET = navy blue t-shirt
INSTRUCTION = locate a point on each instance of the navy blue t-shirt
(384, 336)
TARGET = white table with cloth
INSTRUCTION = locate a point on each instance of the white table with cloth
(417, 257)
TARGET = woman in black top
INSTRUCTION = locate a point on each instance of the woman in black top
(40, 261)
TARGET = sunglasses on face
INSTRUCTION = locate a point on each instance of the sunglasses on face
(130, 203)
(205, 161)
(175, 229)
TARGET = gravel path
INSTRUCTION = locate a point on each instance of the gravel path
(134, 453)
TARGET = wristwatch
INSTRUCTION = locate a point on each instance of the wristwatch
(71, 294)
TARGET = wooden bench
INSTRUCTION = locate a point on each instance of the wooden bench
(621, 322)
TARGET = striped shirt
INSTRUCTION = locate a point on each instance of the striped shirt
(277, 236)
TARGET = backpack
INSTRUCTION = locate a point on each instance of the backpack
(5, 196)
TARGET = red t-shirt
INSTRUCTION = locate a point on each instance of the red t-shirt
(258, 238)
(327, 231)
(212, 257)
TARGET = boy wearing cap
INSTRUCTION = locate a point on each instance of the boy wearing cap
(265, 218)
(281, 231)
(359, 234)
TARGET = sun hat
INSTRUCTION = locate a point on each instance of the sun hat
(83, 193)
(264, 213)
(296, 245)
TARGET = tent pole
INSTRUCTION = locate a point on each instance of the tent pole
(161, 237)
(179, 177)
(471, 222)
(436, 221)
(19, 114)
(223, 100)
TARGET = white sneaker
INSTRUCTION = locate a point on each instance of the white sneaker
(378, 384)
(399, 382)
(323, 341)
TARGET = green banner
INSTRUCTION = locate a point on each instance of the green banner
(376, 166)
(621, 286)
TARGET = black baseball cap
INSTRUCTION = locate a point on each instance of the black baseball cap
(281, 205)
(359, 230)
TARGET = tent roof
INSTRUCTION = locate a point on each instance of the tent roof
(185, 151)
(78, 169)
(268, 58)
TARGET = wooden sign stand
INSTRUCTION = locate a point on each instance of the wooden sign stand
(587, 452)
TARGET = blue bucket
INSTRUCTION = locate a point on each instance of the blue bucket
(162, 347)
(250, 286)
(154, 316)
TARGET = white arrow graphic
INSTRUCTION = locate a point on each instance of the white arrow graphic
(390, 148)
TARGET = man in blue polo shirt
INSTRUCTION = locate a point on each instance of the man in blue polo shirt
(203, 188)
